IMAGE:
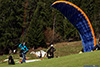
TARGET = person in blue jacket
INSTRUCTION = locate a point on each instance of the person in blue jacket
(24, 50)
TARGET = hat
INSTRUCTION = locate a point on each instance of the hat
(51, 45)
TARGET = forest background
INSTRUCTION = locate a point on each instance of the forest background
(38, 24)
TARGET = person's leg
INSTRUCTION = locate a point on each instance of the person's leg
(52, 55)
(23, 58)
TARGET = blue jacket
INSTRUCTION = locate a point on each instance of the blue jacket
(24, 48)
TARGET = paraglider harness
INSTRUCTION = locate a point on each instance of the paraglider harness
(50, 52)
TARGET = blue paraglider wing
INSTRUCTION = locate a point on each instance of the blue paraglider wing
(80, 20)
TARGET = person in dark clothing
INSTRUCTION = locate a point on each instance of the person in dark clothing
(11, 61)
(23, 51)
(97, 46)
(50, 52)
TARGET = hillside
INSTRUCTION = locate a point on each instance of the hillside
(66, 55)
(67, 48)
(75, 60)
(62, 49)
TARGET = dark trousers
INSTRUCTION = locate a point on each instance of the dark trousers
(23, 55)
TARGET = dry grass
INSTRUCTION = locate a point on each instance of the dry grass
(67, 48)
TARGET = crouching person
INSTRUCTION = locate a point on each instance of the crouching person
(24, 50)
(11, 61)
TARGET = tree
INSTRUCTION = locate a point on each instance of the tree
(11, 17)
(36, 35)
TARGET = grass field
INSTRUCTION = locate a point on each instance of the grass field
(62, 49)
(67, 53)
(68, 48)
(75, 60)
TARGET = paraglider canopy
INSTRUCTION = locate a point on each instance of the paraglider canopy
(80, 21)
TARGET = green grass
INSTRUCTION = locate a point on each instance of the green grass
(74, 60)
(3, 57)
(16, 57)
(68, 56)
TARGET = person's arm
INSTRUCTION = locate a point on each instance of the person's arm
(20, 45)
(26, 49)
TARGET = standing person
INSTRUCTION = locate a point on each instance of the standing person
(50, 52)
(24, 50)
